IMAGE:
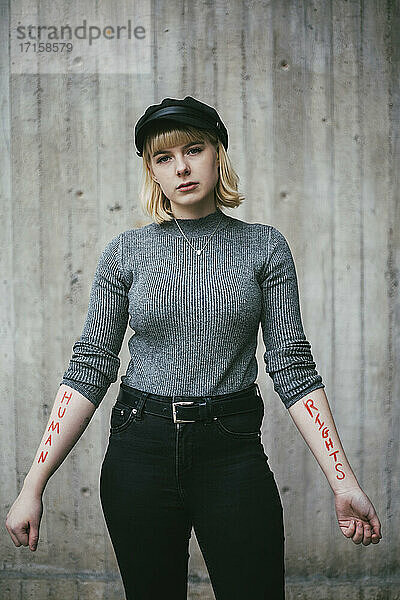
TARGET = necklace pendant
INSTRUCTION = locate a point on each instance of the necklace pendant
(198, 252)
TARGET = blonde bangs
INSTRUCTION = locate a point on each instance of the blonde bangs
(171, 137)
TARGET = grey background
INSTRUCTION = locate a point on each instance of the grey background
(309, 92)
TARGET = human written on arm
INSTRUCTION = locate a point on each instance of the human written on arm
(93, 367)
(289, 362)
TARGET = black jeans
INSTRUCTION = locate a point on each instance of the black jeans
(160, 478)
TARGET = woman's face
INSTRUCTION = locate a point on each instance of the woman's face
(195, 162)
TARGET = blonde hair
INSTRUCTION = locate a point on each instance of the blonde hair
(165, 135)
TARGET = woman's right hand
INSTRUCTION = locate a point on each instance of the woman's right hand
(23, 519)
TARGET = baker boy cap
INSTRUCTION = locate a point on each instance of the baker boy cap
(188, 112)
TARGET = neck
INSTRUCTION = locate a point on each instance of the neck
(196, 226)
(191, 217)
(198, 210)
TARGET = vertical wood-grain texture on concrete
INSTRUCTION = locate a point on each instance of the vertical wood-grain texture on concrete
(309, 92)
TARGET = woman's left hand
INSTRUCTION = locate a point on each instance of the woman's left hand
(357, 517)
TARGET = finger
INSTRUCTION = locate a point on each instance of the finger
(33, 538)
(376, 537)
(349, 531)
(14, 538)
(376, 526)
(21, 533)
(359, 534)
(18, 534)
(367, 535)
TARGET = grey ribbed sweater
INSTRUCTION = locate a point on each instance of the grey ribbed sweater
(195, 318)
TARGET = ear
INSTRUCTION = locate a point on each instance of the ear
(153, 176)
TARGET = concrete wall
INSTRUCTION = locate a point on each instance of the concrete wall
(309, 92)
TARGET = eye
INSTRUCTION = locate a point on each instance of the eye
(161, 159)
(197, 148)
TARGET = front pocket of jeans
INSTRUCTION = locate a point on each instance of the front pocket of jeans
(241, 425)
(122, 416)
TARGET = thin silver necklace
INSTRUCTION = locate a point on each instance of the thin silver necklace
(198, 252)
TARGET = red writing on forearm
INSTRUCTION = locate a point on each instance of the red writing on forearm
(42, 458)
(309, 404)
(55, 425)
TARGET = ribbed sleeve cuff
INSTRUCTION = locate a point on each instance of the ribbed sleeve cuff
(93, 394)
(288, 401)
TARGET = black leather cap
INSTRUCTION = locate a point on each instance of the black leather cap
(188, 111)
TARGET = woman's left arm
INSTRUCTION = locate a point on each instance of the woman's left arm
(355, 512)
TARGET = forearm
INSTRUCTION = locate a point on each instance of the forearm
(313, 418)
(70, 415)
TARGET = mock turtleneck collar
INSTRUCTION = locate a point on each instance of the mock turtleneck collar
(197, 227)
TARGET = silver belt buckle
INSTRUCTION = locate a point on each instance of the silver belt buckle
(174, 412)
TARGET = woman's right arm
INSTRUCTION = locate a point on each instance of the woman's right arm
(70, 415)
(93, 367)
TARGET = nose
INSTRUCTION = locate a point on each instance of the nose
(182, 166)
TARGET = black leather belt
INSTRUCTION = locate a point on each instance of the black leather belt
(188, 409)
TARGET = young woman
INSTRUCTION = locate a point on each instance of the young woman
(185, 444)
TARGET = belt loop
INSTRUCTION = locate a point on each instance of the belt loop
(205, 410)
(140, 405)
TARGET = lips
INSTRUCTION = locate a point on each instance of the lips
(188, 184)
